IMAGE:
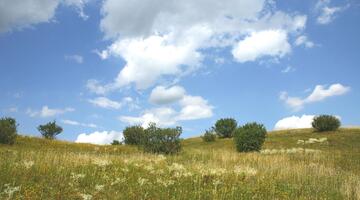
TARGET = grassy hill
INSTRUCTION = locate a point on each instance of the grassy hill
(286, 168)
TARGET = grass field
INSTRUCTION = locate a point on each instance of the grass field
(287, 168)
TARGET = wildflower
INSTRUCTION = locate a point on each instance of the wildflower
(28, 164)
(101, 162)
(77, 176)
(118, 180)
(245, 170)
(10, 190)
(99, 187)
(86, 196)
(142, 181)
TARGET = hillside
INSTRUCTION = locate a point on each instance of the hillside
(286, 168)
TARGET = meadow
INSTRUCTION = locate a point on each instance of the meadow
(293, 164)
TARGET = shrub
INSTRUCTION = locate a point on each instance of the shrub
(50, 130)
(162, 140)
(326, 123)
(8, 130)
(250, 137)
(225, 128)
(209, 136)
(133, 135)
(116, 142)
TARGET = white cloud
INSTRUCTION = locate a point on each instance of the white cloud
(303, 40)
(294, 122)
(104, 137)
(48, 112)
(76, 123)
(162, 95)
(165, 39)
(327, 13)
(76, 58)
(104, 102)
(320, 93)
(194, 107)
(19, 14)
(288, 69)
(263, 43)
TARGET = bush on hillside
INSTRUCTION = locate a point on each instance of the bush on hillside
(133, 135)
(326, 123)
(50, 130)
(116, 142)
(8, 130)
(209, 136)
(250, 137)
(225, 127)
(162, 140)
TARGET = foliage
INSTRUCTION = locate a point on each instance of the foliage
(162, 140)
(209, 136)
(50, 130)
(323, 123)
(225, 127)
(8, 130)
(250, 137)
(116, 142)
(133, 135)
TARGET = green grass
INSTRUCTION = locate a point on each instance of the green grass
(35, 168)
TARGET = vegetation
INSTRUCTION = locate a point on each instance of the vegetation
(35, 168)
(50, 130)
(116, 142)
(250, 137)
(225, 127)
(8, 130)
(209, 136)
(133, 135)
(162, 140)
(326, 123)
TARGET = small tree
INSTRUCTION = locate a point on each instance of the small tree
(162, 140)
(225, 127)
(326, 123)
(50, 130)
(133, 135)
(209, 136)
(250, 137)
(116, 142)
(8, 130)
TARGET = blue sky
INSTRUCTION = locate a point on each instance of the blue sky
(98, 66)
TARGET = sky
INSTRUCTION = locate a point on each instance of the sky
(98, 66)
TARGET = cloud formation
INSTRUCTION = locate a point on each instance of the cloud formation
(294, 122)
(102, 138)
(319, 93)
(48, 112)
(76, 123)
(75, 58)
(161, 95)
(328, 13)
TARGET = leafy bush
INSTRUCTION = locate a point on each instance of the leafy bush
(116, 142)
(8, 130)
(162, 140)
(50, 130)
(133, 135)
(209, 136)
(326, 123)
(225, 127)
(250, 137)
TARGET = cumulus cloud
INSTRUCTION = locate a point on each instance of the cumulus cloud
(104, 102)
(75, 58)
(194, 107)
(319, 93)
(263, 43)
(19, 14)
(76, 123)
(162, 95)
(166, 39)
(104, 137)
(328, 13)
(294, 122)
(303, 40)
(48, 112)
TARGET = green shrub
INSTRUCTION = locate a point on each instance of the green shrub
(162, 140)
(250, 137)
(209, 136)
(326, 123)
(8, 130)
(225, 127)
(50, 130)
(133, 135)
(116, 142)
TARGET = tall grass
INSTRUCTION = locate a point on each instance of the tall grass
(39, 169)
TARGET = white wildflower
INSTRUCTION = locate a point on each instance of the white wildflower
(10, 190)
(101, 162)
(28, 163)
(99, 187)
(86, 196)
(245, 170)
